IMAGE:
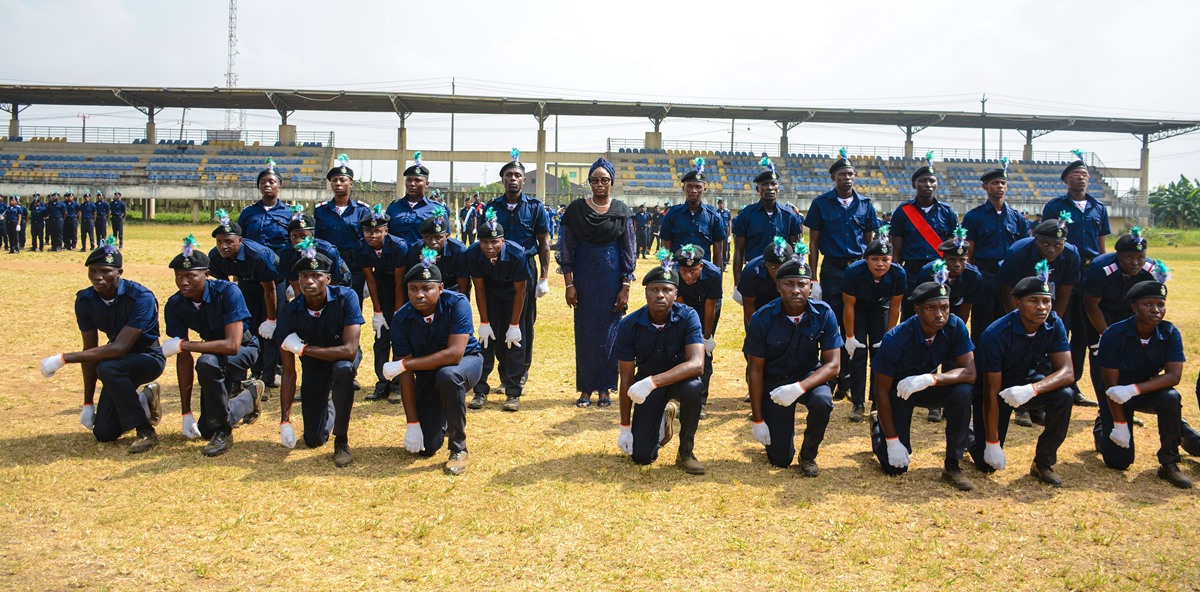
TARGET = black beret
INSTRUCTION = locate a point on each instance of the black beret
(1050, 229)
(267, 173)
(1147, 289)
(793, 268)
(766, 177)
(433, 225)
(197, 260)
(339, 171)
(1078, 164)
(107, 255)
(952, 248)
(878, 247)
(377, 218)
(416, 170)
(421, 273)
(928, 291)
(689, 256)
(304, 222)
(839, 164)
(232, 228)
(490, 229)
(993, 175)
(692, 175)
(921, 172)
(318, 262)
(661, 275)
(778, 253)
(512, 164)
(1030, 286)
(1132, 243)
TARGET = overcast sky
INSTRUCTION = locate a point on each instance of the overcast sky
(1099, 58)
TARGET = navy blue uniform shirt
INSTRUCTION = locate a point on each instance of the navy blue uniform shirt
(14, 213)
(967, 288)
(450, 261)
(757, 283)
(266, 226)
(859, 283)
(994, 232)
(342, 230)
(1023, 256)
(1106, 281)
(760, 228)
(342, 309)
(254, 263)
(135, 306)
(87, 210)
(385, 262)
(55, 210)
(117, 209)
(221, 304)
(941, 218)
(790, 350)
(642, 219)
(651, 349)
(498, 276)
(102, 208)
(1005, 347)
(412, 335)
(72, 209)
(702, 228)
(906, 352)
(1121, 349)
(707, 287)
(1086, 227)
(523, 223)
(842, 229)
(406, 219)
(288, 256)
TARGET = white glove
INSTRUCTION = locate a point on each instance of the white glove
(486, 335)
(87, 417)
(709, 345)
(852, 345)
(625, 439)
(1016, 396)
(512, 338)
(378, 323)
(172, 346)
(287, 437)
(1120, 434)
(414, 438)
(787, 394)
(294, 344)
(52, 364)
(815, 294)
(1095, 348)
(190, 430)
(1122, 393)
(393, 369)
(18, 228)
(543, 288)
(761, 432)
(290, 294)
(993, 455)
(897, 453)
(914, 384)
(737, 296)
(641, 389)
(267, 329)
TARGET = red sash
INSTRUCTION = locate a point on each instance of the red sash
(918, 221)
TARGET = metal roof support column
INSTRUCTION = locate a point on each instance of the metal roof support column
(908, 143)
(541, 115)
(1027, 154)
(14, 125)
(401, 142)
(784, 127)
(1144, 181)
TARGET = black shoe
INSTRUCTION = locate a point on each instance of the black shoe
(809, 468)
(1038, 416)
(1170, 473)
(380, 392)
(956, 478)
(342, 456)
(457, 464)
(689, 464)
(669, 414)
(1045, 475)
(256, 388)
(840, 394)
(478, 401)
(935, 415)
(154, 401)
(220, 444)
(1082, 401)
(857, 413)
(357, 387)
(144, 442)
(1189, 445)
(511, 404)
(1022, 419)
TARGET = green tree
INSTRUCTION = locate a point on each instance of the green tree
(1177, 205)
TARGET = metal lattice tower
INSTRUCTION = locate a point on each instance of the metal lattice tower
(234, 120)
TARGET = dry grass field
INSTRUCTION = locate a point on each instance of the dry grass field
(549, 502)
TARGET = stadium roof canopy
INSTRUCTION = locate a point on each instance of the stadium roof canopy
(285, 102)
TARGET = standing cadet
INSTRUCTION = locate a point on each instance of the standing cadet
(525, 222)
(641, 221)
(920, 225)
(963, 279)
(322, 328)
(727, 222)
(871, 293)
(3, 222)
(382, 257)
(37, 224)
(906, 376)
(757, 286)
(70, 222)
(841, 224)
(656, 215)
(216, 311)
(469, 217)
(1088, 227)
(700, 288)
(127, 313)
(339, 220)
(408, 212)
(660, 355)
(252, 267)
(87, 224)
(1024, 363)
(102, 211)
(500, 272)
(14, 217)
(54, 214)
(695, 222)
(266, 223)
(435, 234)
(437, 360)
(793, 352)
(1141, 361)
(116, 211)
(759, 223)
(992, 228)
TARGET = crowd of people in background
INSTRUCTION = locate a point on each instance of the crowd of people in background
(61, 223)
